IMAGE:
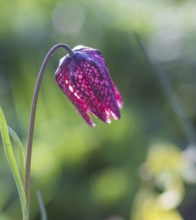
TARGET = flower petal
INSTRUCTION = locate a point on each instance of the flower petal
(69, 90)
(84, 89)
(118, 96)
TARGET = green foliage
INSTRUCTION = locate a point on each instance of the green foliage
(18, 177)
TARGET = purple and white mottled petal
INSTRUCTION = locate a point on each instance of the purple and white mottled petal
(69, 90)
(84, 89)
(118, 96)
(85, 79)
(102, 87)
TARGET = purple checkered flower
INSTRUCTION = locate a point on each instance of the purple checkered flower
(84, 78)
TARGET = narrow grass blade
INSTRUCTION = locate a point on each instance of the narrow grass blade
(20, 152)
(41, 205)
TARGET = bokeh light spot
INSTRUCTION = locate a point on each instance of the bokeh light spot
(109, 186)
(68, 18)
(166, 45)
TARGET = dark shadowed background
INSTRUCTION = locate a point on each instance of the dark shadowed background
(141, 167)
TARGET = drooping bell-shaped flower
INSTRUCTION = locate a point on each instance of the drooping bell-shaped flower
(84, 78)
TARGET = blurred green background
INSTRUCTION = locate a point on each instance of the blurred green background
(141, 167)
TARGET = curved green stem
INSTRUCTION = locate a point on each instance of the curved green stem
(32, 115)
(13, 165)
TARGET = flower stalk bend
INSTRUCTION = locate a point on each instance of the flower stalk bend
(32, 116)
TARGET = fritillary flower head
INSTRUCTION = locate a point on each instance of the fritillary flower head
(84, 78)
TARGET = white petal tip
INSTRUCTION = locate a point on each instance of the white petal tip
(93, 125)
(108, 121)
(120, 104)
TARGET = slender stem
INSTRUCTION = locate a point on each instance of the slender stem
(32, 115)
